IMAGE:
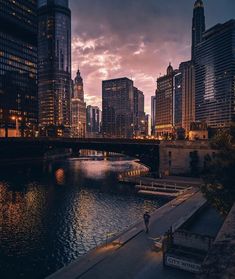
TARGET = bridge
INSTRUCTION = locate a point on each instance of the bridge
(147, 151)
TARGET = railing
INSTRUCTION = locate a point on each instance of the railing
(133, 173)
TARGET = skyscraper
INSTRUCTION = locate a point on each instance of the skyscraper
(139, 114)
(54, 67)
(187, 68)
(78, 106)
(118, 108)
(177, 100)
(188, 94)
(198, 26)
(18, 68)
(93, 121)
(164, 103)
(153, 114)
(215, 76)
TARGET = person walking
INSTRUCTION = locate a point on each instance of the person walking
(146, 221)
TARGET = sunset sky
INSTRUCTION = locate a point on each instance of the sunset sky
(134, 38)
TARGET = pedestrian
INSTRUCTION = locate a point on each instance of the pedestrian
(146, 221)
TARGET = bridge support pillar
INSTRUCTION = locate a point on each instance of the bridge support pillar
(75, 152)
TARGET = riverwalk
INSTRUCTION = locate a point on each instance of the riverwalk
(131, 255)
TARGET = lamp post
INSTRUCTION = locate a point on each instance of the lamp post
(17, 119)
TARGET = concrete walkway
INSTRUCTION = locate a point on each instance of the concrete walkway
(132, 254)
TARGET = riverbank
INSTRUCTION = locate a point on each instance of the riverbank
(131, 254)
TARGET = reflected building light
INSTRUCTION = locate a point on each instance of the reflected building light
(60, 176)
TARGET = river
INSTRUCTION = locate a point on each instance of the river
(53, 213)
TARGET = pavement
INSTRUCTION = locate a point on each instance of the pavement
(132, 254)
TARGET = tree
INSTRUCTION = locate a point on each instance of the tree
(219, 173)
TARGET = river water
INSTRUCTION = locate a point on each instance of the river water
(52, 214)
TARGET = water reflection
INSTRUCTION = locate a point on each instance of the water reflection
(44, 226)
(60, 176)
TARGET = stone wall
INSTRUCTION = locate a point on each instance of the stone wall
(220, 262)
(175, 156)
(192, 240)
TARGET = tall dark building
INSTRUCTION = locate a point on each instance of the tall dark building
(54, 67)
(93, 121)
(215, 76)
(153, 114)
(118, 108)
(18, 68)
(177, 100)
(139, 114)
(199, 25)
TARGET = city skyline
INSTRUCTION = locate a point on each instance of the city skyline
(145, 53)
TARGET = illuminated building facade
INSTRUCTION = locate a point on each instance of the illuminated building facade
(148, 125)
(78, 107)
(18, 68)
(215, 76)
(118, 108)
(54, 67)
(164, 104)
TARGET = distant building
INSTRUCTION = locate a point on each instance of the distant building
(153, 114)
(164, 104)
(93, 121)
(198, 131)
(148, 126)
(214, 76)
(188, 94)
(118, 108)
(198, 26)
(78, 106)
(139, 114)
(18, 68)
(54, 67)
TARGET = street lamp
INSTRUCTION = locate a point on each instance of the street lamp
(17, 119)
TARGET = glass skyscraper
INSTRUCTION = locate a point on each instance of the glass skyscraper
(188, 94)
(118, 108)
(215, 76)
(139, 114)
(198, 25)
(18, 68)
(93, 121)
(177, 100)
(54, 67)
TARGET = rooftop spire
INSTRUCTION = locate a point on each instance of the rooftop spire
(169, 69)
(199, 26)
(199, 4)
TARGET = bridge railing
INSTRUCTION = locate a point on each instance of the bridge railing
(133, 173)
